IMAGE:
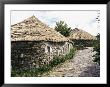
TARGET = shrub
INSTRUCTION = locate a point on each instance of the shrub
(97, 49)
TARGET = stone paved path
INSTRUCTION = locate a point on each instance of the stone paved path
(80, 66)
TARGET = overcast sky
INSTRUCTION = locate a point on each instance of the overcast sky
(85, 20)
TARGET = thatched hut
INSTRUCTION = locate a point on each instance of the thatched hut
(78, 34)
(34, 44)
(81, 37)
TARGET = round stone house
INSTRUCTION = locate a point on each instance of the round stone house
(34, 44)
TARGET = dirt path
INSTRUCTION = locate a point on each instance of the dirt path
(80, 66)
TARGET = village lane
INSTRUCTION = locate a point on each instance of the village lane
(80, 66)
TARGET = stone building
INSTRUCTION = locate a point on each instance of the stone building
(81, 37)
(79, 34)
(34, 44)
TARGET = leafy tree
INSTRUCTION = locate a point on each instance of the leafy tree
(62, 28)
(97, 49)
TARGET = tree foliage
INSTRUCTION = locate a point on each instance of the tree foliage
(63, 28)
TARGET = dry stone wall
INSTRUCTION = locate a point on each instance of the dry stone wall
(57, 49)
(27, 55)
(34, 54)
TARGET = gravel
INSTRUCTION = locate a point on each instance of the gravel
(80, 66)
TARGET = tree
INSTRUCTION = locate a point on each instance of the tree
(62, 28)
(97, 49)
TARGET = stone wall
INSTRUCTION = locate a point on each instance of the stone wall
(56, 49)
(28, 55)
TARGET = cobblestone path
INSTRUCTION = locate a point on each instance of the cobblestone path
(80, 66)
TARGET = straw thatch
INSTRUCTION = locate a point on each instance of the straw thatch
(78, 34)
(33, 29)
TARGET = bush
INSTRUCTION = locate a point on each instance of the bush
(39, 71)
(97, 49)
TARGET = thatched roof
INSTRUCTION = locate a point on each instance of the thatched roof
(32, 29)
(78, 34)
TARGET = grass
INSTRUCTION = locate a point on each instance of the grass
(39, 71)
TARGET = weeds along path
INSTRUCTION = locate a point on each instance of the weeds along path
(80, 66)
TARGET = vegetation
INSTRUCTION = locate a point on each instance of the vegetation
(63, 28)
(97, 49)
(39, 71)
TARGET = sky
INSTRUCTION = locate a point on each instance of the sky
(85, 20)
